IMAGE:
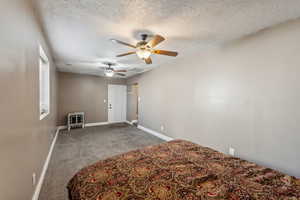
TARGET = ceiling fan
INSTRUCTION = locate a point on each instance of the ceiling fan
(145, 48)
(109, 71)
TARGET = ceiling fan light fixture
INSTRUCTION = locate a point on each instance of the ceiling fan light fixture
(109, 73)
(143, 53)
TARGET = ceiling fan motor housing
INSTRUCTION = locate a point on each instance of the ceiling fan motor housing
(141, 44)
(109, 64)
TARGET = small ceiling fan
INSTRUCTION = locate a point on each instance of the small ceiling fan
(109, 71)
(145, 48)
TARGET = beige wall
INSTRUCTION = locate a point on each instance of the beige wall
(244, 94)
(24, 139)
(85, 93)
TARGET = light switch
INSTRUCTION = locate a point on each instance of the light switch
(231, 151)
(33, 179)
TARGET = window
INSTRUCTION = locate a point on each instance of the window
(44, 78)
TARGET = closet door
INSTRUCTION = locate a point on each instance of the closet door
(117, 97)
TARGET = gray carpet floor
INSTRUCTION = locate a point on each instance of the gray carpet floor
(81, 147)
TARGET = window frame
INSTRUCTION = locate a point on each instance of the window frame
(44, 84)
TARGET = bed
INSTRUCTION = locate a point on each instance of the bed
(180, 170)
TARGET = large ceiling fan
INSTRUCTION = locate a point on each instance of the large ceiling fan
(145, 48)
(109, 71)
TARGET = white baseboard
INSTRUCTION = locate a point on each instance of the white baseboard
(45, 167)
(96, 124)
(132, 122)
(62, 127)
(157, 134)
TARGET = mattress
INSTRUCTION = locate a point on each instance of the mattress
(180, 170)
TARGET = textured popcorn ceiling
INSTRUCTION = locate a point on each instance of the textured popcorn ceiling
(79, 30)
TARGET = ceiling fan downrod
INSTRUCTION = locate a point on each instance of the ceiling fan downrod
(144, 36)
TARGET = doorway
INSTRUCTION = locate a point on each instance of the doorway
(133, 104)
(117, 103)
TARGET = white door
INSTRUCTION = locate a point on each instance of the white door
(117, 103)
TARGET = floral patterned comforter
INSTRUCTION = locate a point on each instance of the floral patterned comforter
(180, 170)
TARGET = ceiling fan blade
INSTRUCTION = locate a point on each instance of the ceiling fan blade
(120, 74)
(124, 43)
(155, 41)
(148, 60)
(121, 70)
(166, 53)
(126, 54)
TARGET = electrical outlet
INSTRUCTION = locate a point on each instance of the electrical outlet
(162, 128)
(231, 151)
(33, 179)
